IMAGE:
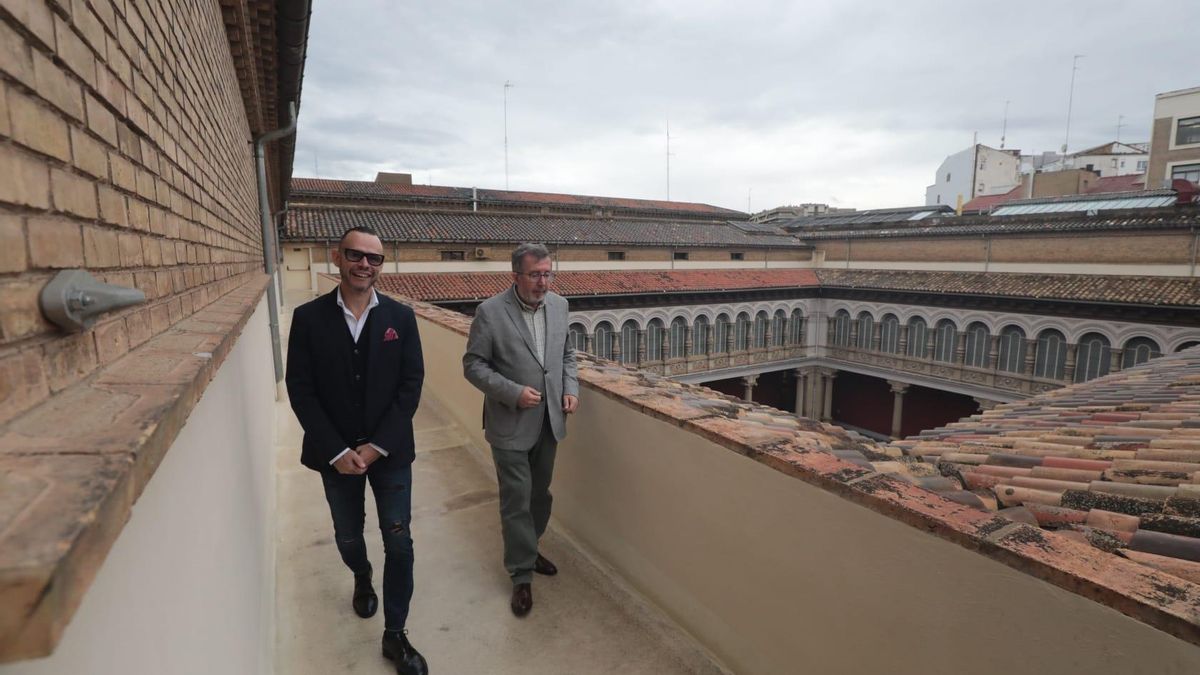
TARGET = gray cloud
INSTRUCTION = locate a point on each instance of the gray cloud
(779, 101)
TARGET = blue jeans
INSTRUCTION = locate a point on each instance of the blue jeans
(391, 482)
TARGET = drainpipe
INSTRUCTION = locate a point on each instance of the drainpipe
(269, 235)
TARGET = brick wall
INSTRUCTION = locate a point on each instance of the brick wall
(124, 149)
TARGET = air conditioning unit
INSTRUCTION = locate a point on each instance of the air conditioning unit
(479, 254)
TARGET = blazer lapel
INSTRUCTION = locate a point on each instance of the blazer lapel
(339, 332)
(514, 315)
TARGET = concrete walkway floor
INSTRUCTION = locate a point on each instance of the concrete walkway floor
(583, 621)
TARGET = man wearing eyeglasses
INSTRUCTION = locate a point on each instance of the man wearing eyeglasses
(518, 355)
(354, 378)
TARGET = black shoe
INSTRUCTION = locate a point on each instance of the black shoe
(397, 649)
(522, 599)
(543, 566)
(365, 601)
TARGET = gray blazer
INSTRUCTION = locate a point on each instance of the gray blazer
(500, 362)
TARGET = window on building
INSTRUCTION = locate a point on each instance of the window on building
(977, 346)
(1092, 357)
(1139, 350)
(654, 340)
(796, 328)
(721, 333)
(841, 328)
(577, 336)
(1051, 355)
(1187, 131)
(737, 255)
(918, 333)
(866, 326)
(889, 334)
(947, 176)
(760, 330)
(602, 340)
(629, 336)
(700, 336)
(779, 329)
(616, 255)
(1187, 345)
(943, 341)
(1142, 164)
(679, 255)
(678, 338)
(741, 332)
(1188, 172)
(1012, 350)
(453, 255)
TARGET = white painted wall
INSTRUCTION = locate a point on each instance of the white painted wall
(189, 585)
(957, 168)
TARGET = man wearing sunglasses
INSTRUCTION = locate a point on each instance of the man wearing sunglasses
(518, 355)
(354, 379)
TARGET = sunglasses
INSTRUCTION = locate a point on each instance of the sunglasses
(355, 255)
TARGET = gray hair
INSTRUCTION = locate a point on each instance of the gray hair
(538, 251)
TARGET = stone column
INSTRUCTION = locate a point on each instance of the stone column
(828, 412)
(993, 352)
(730, 331)
(749, 381)
(898, 389)
(1114, 359)
(1069, 365)
(854, 333)
(903, 343)
(960, 348)
(687, 341)
(876, 335)
(1030, 355)
(616, 347)
(641, 346)
(589, 343)
(800, 374)
(664, 344)
(829, 333)
(814, 394)
(929, 343)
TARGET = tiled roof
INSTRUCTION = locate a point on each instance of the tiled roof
(1129, 183)
(1114, 462)
(1169, 217)
(988, 201)
(316, 223)
(321, 187)
(441, 287)
(1133, 290)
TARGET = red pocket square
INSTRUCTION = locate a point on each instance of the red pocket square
(390, 334)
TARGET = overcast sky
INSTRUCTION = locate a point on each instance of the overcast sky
(848, 103)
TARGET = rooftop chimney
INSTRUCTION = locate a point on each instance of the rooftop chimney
(393, 178)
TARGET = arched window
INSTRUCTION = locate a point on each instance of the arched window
(866, 326)
(889, 334)
(760, 330)
(1187, 345)
(779, 334)
(721, 334)
(1139, 350)
(796, 328)
(654, 340)
(602, 340)
(741, 332)
(1012, 350)
(841, 328)
(700, 336)
(678, 338)
(977, 345)
(943, 341)
(1051, 355)
(577, 337)
(1092, 357)
(629, 337)
(918, 333)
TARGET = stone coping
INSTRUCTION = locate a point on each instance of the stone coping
(72, 467)
(813, 452)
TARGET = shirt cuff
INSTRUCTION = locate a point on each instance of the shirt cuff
(339, 456)
(379, 449)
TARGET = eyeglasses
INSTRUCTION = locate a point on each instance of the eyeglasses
(538, 276)
(355, 255)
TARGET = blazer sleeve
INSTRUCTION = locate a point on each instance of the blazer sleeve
(477, 363)
(323, 437)
(570, 370)
(395, 429)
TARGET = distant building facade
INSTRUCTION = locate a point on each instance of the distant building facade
(1108, 160)
(1175, 138)
(975, 172)
(782, 213)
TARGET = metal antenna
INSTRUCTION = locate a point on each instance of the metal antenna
(1120, 123)
(1070, 101)
(749, 192)
(507, 85)
(668, 159)
(1004, 128)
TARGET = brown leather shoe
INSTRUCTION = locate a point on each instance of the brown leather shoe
(543, 566)
(522, 599)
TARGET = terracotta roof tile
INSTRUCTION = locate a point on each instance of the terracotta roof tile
(319, 223)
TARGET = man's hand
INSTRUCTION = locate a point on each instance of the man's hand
(530, 397)
(368, 453)
(570, 403)
(350, 464)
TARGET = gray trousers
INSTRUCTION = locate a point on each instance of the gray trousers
(524, 479)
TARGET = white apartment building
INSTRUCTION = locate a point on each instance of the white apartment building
(977, 171)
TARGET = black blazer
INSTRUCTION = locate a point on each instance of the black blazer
(319, 372)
